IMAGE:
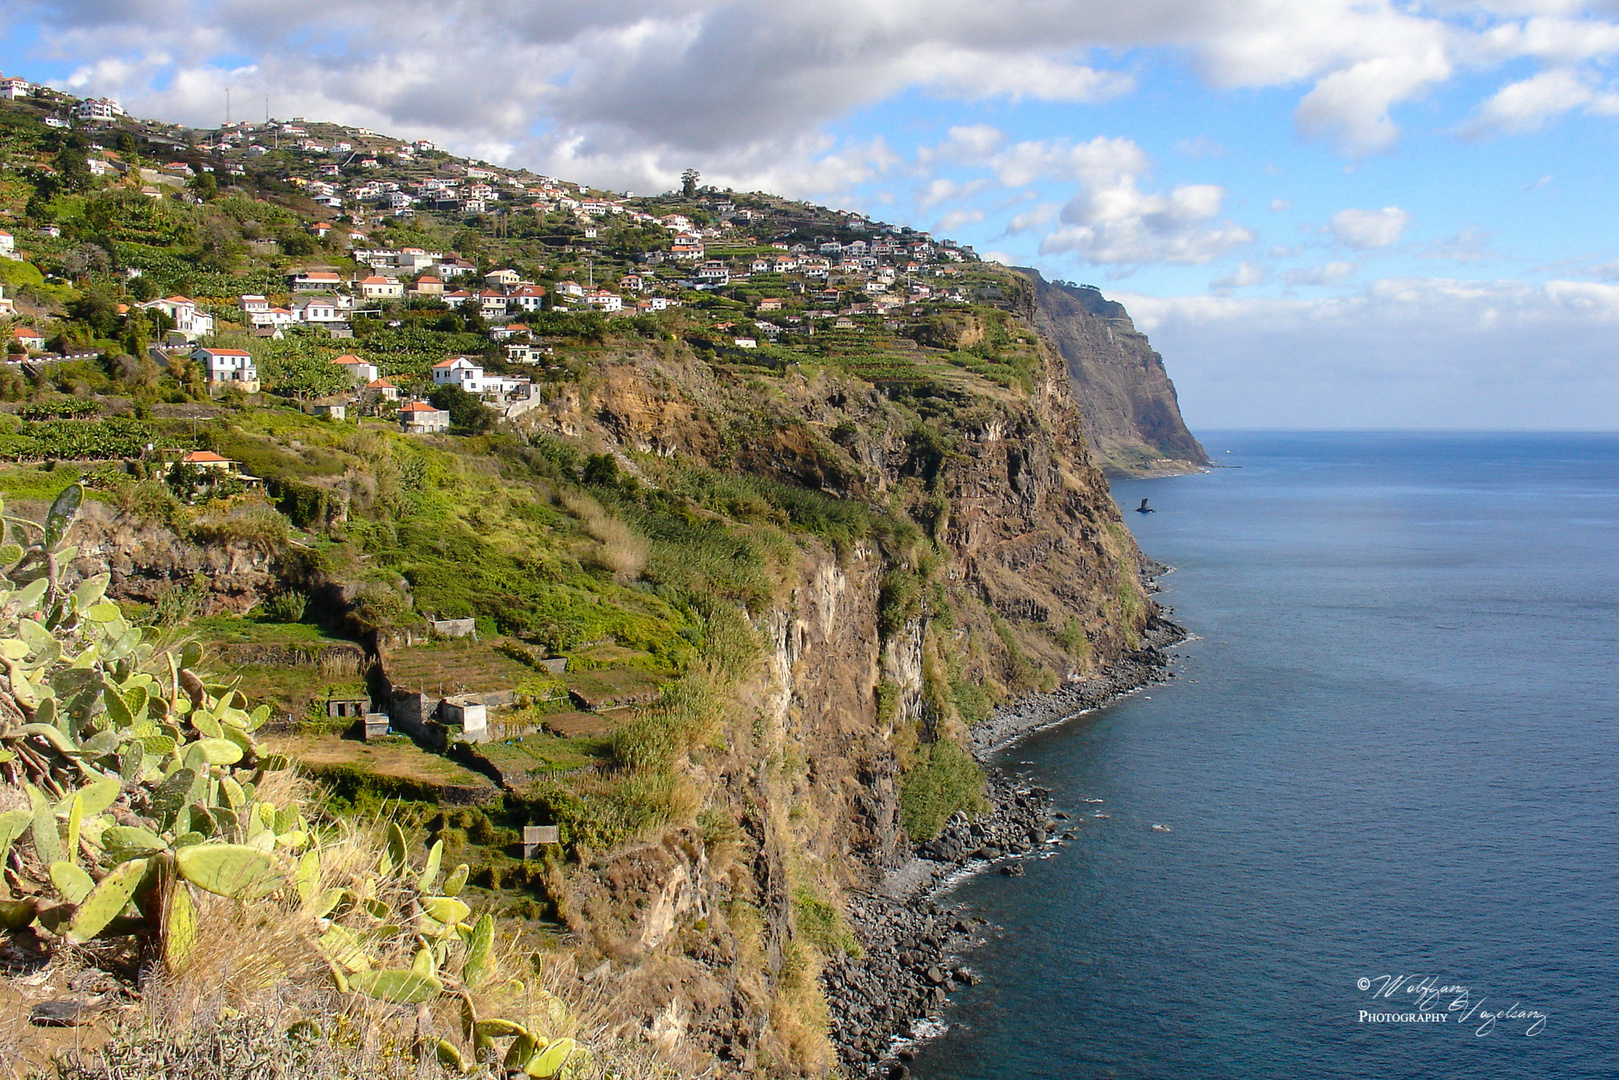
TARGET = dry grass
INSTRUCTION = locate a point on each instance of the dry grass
(622, 552)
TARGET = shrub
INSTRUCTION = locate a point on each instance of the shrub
(940, 779)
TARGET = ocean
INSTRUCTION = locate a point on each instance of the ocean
(1389, 771)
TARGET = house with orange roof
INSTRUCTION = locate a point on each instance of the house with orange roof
(207, 459)
(359, 370)
(377, 287)
(382, 389)
(427, 285)
(31, 339)
(229, 367)
(421, 418)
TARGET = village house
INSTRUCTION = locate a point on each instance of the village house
(8, 246)
(320, 310)
(98, 110)
(631, 283)
(29, 338)
(570, 288)
(359, 370)
(7, 306)
(460, 372)
(770, 303)
(252, 302)
(313, 281)
(377, 287)
(602, 300)
(500, 278)
(229, 367)
(189, 322)
(527, 297)
(207, 459)
(526, 352)
(420, 418)
(272, 318)
(454, 267)
(382, 389)
(13, 88)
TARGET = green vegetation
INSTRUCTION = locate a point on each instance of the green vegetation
(940, 779)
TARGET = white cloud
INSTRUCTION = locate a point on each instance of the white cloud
(1469, 245)
(969, 143)
(1411, 353)
(1529, 103)
(1112, 220)
(1366, 229)
(1279, 205)
(1326, 274)
(1246, 273)
(636, 90)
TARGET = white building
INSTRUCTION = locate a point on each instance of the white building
(13, 88)
(7, 307)
(189, 321)
(361, 371)
(459, 372)
(229, 367)
(8, 246)
(98, 110)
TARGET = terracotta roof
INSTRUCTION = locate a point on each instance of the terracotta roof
(229, 352)
(418, 406)
(203, 456)
(450, 362)
(380, 384)
(349, 359)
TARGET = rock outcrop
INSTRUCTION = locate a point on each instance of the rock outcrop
(1132, 416)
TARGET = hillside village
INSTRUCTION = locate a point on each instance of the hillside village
(753, 272)
(572, 526)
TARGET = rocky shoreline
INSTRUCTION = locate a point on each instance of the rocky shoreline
(914, 948)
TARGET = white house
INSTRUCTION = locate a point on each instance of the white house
(7, 307)
(454, 267)
(527, 297)
(13, 88)
(189, 321)
(252, 302)
(313, 281)
(383, 389)
(273, 317)
(570, 288)
(496, 278)
(359, 370)
(602, 300)
(8, 246)
(98, 110)
(459, 372)
(320, 310)
(229, 367)
(31, 339)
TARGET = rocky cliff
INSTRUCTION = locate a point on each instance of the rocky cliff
(1132, 416)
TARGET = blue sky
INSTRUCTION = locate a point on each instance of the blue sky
(1341, 213)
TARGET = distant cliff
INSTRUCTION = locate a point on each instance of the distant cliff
(1131, 415)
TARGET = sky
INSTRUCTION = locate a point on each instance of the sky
(1324, 213)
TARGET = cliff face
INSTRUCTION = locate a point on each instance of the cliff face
(716, 935)
(1132, 416)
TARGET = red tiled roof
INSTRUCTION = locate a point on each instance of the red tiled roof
(203, 456)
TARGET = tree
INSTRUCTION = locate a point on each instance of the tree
(72, 169)
(466, 411)
(204, 186)
(688, 182)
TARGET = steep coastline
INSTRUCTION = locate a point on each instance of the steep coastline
(1132, 415)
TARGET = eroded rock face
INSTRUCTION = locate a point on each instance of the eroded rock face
(148, 560)
(1131, 412)
(1039, 574)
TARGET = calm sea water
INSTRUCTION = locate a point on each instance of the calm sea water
(1391, 752)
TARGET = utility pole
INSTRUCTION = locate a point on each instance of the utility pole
(227, 106)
